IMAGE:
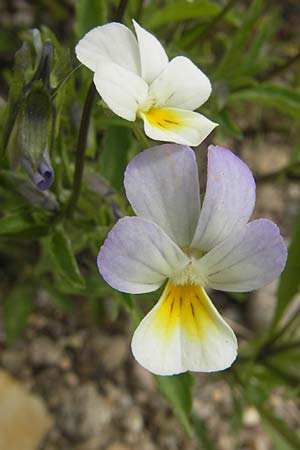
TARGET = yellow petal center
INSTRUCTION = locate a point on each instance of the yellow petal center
(163, 118)
(186, 307)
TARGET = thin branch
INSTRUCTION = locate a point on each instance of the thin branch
(81, 146)
(278, 69)
(121, 10)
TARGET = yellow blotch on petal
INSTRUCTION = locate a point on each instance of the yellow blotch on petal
(164, 118)
(186, 307)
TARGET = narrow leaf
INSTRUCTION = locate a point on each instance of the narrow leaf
(114, 156)
(17, 307)
(63, 256)
(289, 284)
(181, 10)
(89, 14)
(178, 391)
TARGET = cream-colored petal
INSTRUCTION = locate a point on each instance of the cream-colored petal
(121, 89)
(184, 331)
(176, 125)
(152, 54)
(112, 42)
(181, 85)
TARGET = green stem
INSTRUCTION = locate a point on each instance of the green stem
(83, 131)
(55, 91)
(140, 136)
(81, 146)
(121, 10)
(277, 70)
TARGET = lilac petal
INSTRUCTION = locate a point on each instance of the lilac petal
(162, 185)
(247, 260)
(137, 256)
(229, 198)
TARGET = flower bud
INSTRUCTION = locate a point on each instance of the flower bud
(35, 124)
(32, 125)
(43, 176)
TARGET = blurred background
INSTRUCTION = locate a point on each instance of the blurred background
(67, 378)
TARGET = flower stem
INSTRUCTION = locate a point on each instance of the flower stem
(121, 10)
(278, 69)
(140, 136)
(81, 146)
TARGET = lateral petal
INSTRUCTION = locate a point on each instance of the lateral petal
(229, 199)
(121, 89)
(137, 256)
(176, 125)
(184, 331)
(152, 54)
(162, 185)
(248, 259)
(181, 85)
(112, 42)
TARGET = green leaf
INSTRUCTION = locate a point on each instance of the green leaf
(178, 391)
(282, 98)
(89, 14)
(63, 257)
(289, 284)
(20, 226)
(181, 10)
(230, 65)
(17, 307)
(114, 156)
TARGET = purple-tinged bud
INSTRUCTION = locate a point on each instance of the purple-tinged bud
(43, 177)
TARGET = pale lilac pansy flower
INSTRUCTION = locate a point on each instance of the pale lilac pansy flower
(192, 247)
(135, 78)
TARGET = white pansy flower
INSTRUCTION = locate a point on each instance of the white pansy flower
(136, 80)
(191, 247)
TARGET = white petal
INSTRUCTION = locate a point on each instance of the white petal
(229, 199)
(152, 54)
(112, 42)
(184, 331)
(181, 85)
(162, 185)
(121, 89)
(177, 125)
(248, 259)
(137, 256)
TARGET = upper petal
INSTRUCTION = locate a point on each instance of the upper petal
(112, 42)
(181, 85)
(121, 89)
(229, 199)
(162, 185)
(250, 258)
(177, 125)
(152, 54)
(184, 331)
(137, 256)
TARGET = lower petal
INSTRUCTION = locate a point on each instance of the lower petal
(176, 125)
(184, 331)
